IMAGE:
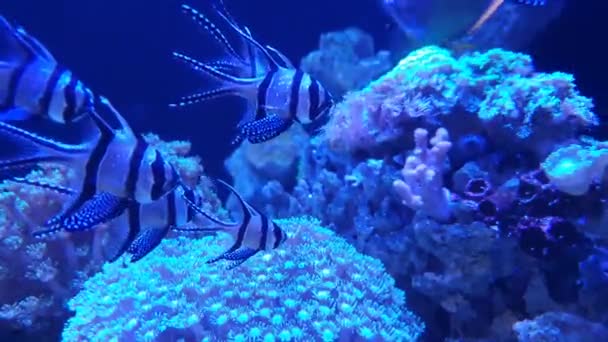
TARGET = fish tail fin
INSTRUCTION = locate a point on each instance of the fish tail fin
(22, 148)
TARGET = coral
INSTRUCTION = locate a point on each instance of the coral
(253, 165)
(465, 254)
(513, 242)
(422, 184)
(49, 271)
(315, 287)
(573, 168)
(594, 284)
(477, 188)
(495, 91)
(547, 237)
(346, 61)
(559, 327)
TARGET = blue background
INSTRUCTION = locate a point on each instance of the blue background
(121, 49)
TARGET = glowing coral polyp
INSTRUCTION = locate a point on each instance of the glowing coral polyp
(314, 288)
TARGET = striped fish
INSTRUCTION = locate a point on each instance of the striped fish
(33, 83)
(277, 93)
(142, 227)
(254, 233)
(112, 169)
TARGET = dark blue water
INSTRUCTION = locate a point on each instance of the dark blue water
(122, 49)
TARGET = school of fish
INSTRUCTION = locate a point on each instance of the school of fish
(121, 178)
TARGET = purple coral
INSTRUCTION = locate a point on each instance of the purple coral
(422, 185)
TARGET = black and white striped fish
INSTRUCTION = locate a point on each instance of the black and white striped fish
(254, 233)
(33, 83)
(277, 93)
(112, 169)
(142, 227)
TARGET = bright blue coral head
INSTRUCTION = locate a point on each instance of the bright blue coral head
(316, 287)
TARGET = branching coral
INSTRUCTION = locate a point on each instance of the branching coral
(49, 271)
(315, 288)
(422, 184)
(346, 61)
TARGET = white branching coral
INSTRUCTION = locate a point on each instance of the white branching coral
(422, 185)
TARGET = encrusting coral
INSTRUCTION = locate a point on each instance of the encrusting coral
(315, 287)
(496, 91)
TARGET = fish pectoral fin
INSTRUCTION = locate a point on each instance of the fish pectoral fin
(146, 241)
(42, 233)
(264, 129)
(238, 256)
(101, 208)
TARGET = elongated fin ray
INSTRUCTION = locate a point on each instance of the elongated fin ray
(48, 186)
(273, 63)
(105, 115)
(220, 75)
(14, 50)
(30, 148)
(285, 62)
(35, 46)
(204, 96)
(494, 6)
(215, 32)
(195, 229)
(205, 214)
(244, 205)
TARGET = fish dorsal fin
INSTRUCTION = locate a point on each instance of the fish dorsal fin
(218, 5)
(35, 46)
(18, 41)
(190, 202)
(285, 62)
(108, 119)
(213, 30)
(244, 205)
